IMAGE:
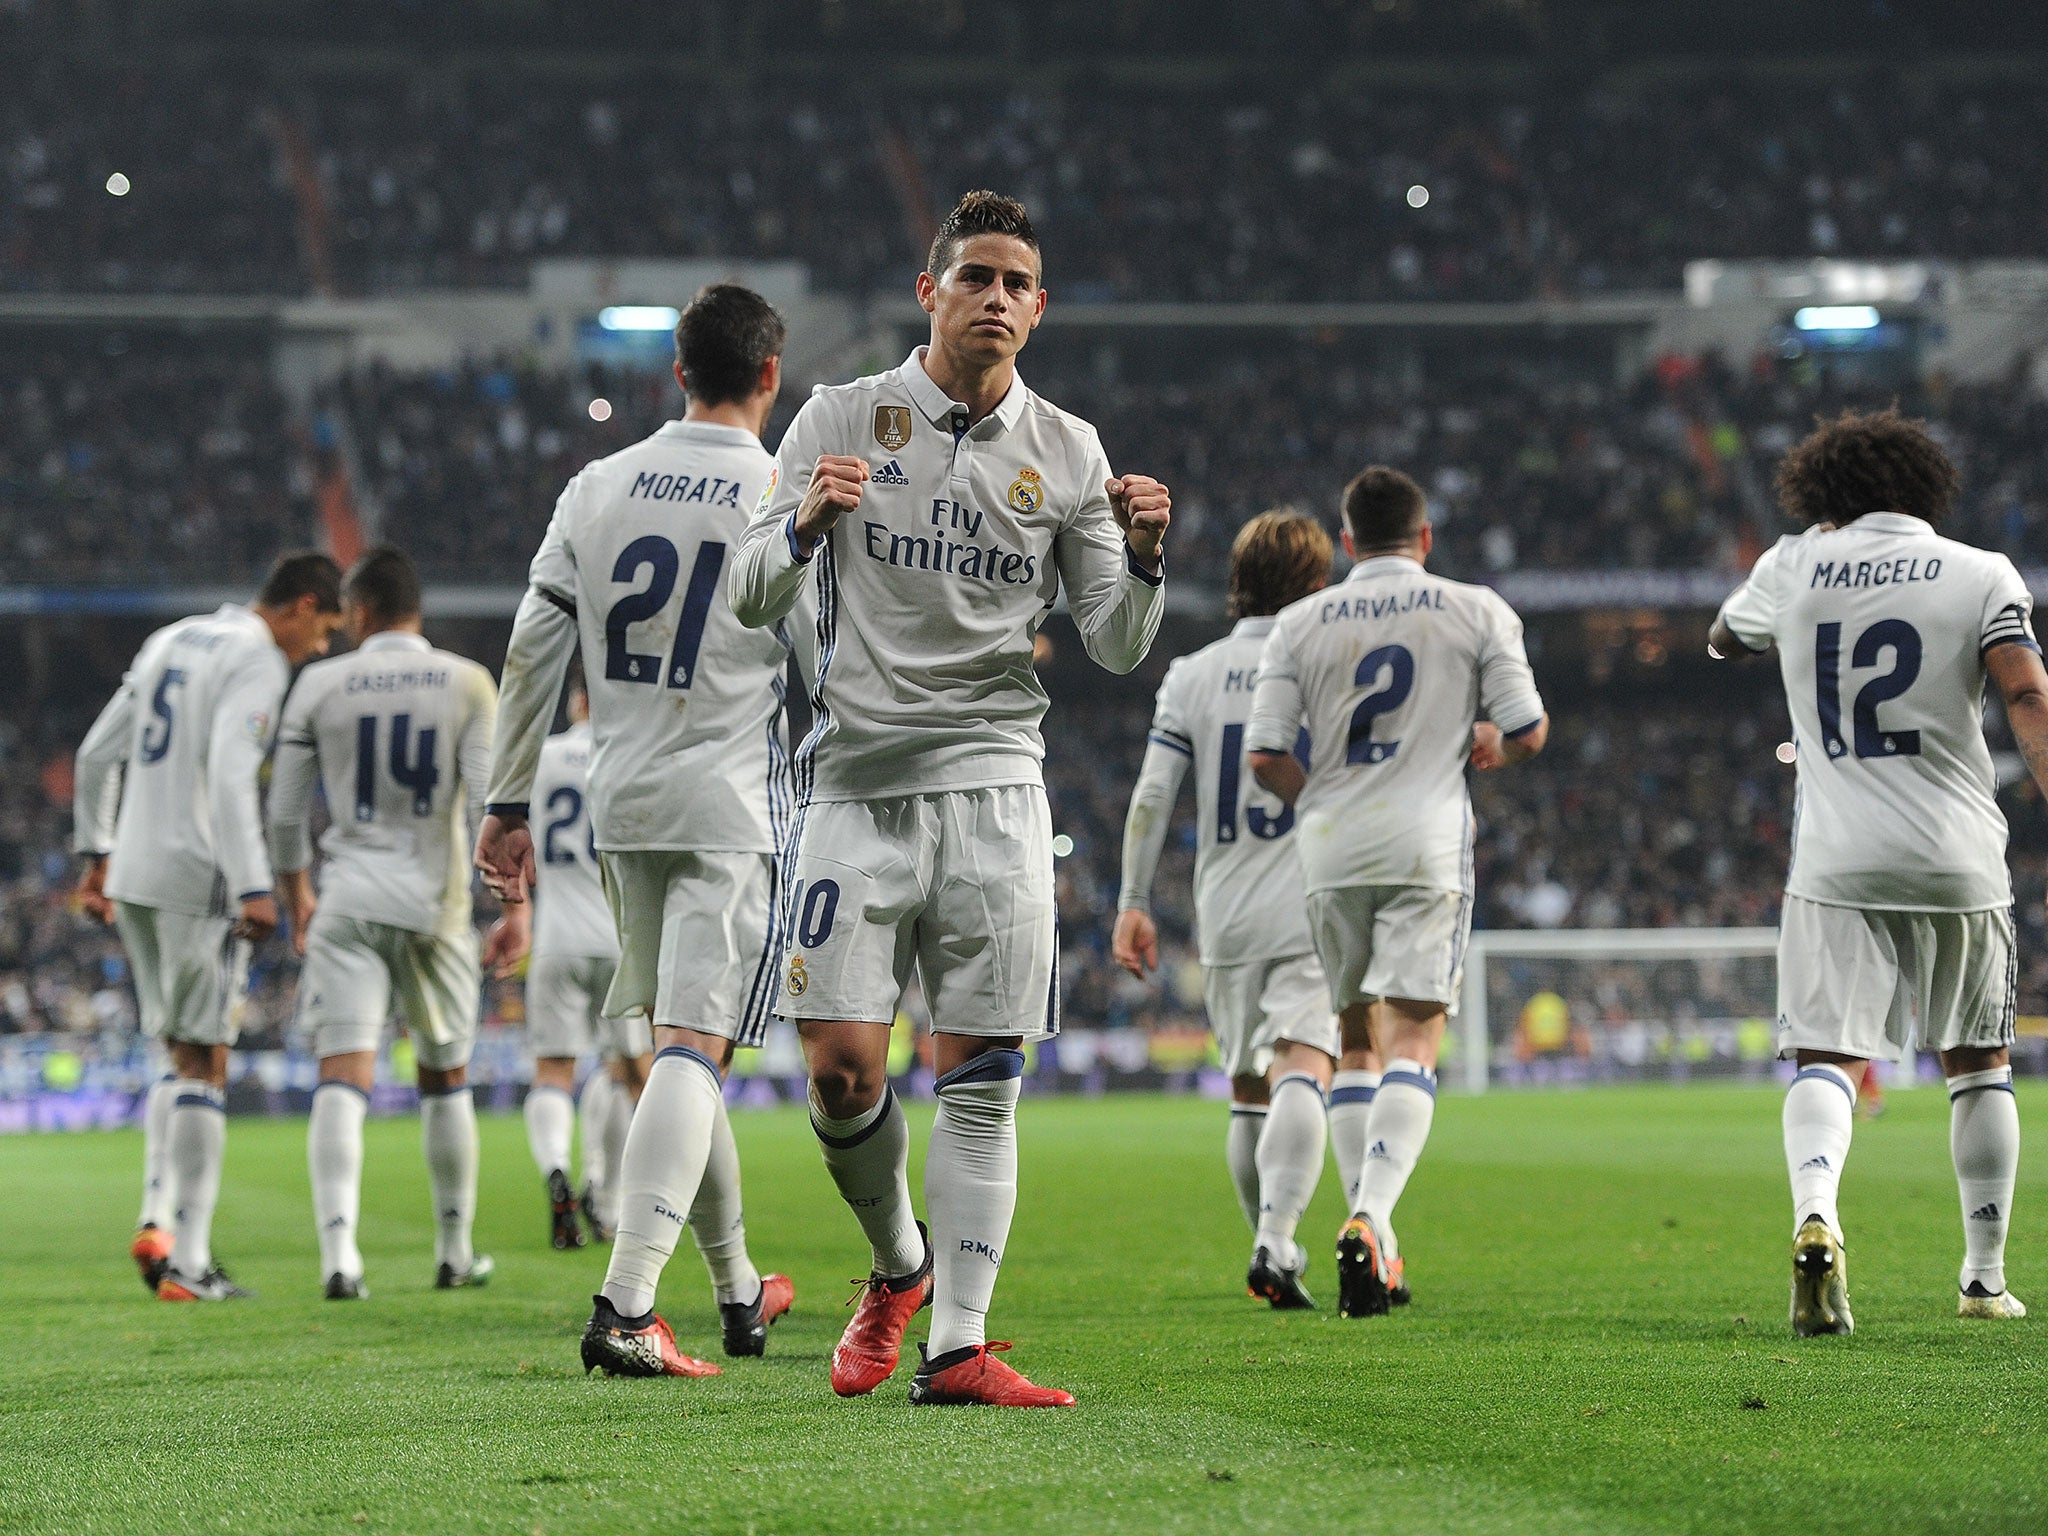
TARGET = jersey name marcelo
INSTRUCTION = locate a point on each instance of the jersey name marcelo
(1874, 573)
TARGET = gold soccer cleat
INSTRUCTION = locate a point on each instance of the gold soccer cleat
(1820, 1282)
(1978, 1302)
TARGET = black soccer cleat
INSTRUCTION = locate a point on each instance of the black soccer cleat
(1364, 1282)
(1280, 1287)
(635, 1346)
(599, 1232)
(447, 1278)
(745, 1324)
(567, 1231)
(342, 1287)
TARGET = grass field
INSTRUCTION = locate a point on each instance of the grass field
(1598, 1344)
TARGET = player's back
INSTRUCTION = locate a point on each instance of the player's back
(1249, 901)
(685, 701)
(570, 916)
(403, 735)
(1394, 664)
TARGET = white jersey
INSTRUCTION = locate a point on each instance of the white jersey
(178, 750)
(686, 703)
(399, 735)
(929, 594)
(571, 916)
(1881, 628)
(1389, 669)
(1249, 900)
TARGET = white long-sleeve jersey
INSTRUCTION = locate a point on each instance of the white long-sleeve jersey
(930, 593)
(571, 916)
(1249, 900)
(398, 734)
(690, 746)
(167, 776)
(1389, 669)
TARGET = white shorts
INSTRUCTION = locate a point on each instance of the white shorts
(190, 973)
(958, 884)
(355, 969)
(1875, 983)
(565, 1010)
(697, 940)
(1254, 1006)
(1405, 941)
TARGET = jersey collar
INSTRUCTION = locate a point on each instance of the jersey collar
(1889, 522)
(1381, 564)
(938, 407)
(708, 432)
(1254, 627)
(395, 640)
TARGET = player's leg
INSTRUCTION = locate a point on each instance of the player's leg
(439, 982)
(344, 999)
(561, 1021)
(205, 967)
(629, 1071)
(1297, 1028)
(151, 1245)
(1340, 924)
(1227, 996)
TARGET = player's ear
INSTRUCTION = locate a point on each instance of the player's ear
(1038, 311)
(1350, 549)
(927, 291)
(677, 369)
(1428, 539)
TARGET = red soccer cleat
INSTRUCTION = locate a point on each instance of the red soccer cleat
(612, 1345)
(151, 1252)
(974, 1375)
(873, 1341)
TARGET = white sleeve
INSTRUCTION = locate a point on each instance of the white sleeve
(1116, 603)
(293, 774)
(96, 783)
(1277, 705)
(2008, 609)
(1168, 752)
(536, 660)
(244, 721)
(1751, 610)
(1507, 687)
(473, 751)
(768, 574)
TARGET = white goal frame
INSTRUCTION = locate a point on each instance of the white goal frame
(1474, 1028)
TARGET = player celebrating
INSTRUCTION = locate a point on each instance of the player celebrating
(689, 794)
(1267, 1000)
(942, 506)
(1403, 677)
(1898, 906)
(399, 736)
(167, 780)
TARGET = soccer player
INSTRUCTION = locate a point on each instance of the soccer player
(689, 799)
(1267, 1000)
(399, 736)
(168, 811)
(1403, 678)
(1897, 930)
(938, 510)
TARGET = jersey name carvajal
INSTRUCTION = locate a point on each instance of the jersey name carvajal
(930, 592)
(571, 916)
(686, 703)
(1882, 627)
(1249, 901)
(1389, 669)
(181, 745)
(401, 736)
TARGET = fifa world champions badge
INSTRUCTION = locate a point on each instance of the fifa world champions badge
(892, 426)
(1027, 491)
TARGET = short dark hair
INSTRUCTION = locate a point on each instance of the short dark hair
(1876, 461)
(384, 581)
(1384, 509)
(1277, 558)
(723, 340)
(979, 213)
(302, 573)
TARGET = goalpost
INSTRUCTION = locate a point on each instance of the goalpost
(1590, 1005)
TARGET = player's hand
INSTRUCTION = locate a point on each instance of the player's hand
(91, 894)
(833, 492)
(1143, 509)
(1487, 753)
(299, 902)
(258, 920)
(504, 854)
(511, 936)
(1134, 942)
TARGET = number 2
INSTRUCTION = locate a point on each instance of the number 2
(1903, 641)
(658, 556)
(1399, 664)
(569, 804)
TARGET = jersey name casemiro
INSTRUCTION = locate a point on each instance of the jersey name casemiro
(178, 750)
(1882, 627)
(1389, 669)
(930, 592)
(399, 735)
(571, 916)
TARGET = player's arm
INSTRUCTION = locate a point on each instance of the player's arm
(1111, 564)
(1134, 942)
(1493, 748)
(96, 796)
(293, 772)
(1275, 725)
(1741, 631)
(1514, 726)
(2012, 660)
(244, 719)
(809, 490)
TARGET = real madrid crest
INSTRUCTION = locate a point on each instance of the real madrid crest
(892, 426)
(1027, 491)
(799, 979)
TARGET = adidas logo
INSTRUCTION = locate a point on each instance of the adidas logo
(1377, 1149)
(1986, 1212)
(891, 473)
(1815, 1162)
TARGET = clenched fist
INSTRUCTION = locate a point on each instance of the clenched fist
(833, 492)
(1143, 509)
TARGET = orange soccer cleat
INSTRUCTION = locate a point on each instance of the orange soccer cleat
(1365, 1280)
(636, 1346)
(151, 1252)
(745, 1323)
(873, 1341)
(974, 1375)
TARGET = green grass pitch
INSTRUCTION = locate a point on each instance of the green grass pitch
(1598, 1344)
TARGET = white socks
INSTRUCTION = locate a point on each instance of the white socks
(593, 1118)
(1820, 1113)
(156, 1137)
(868, 1156)
(970, 1192)
(1241, 1151)
(717, 1222)
(550, 1118)
(666, 1152)
(334, 1155)
(448, 1128)
(1402, 1109)
(1351, 1096)
(618, 1120)
(1290, 1157)
(1984, 1140)
(195, 1138)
